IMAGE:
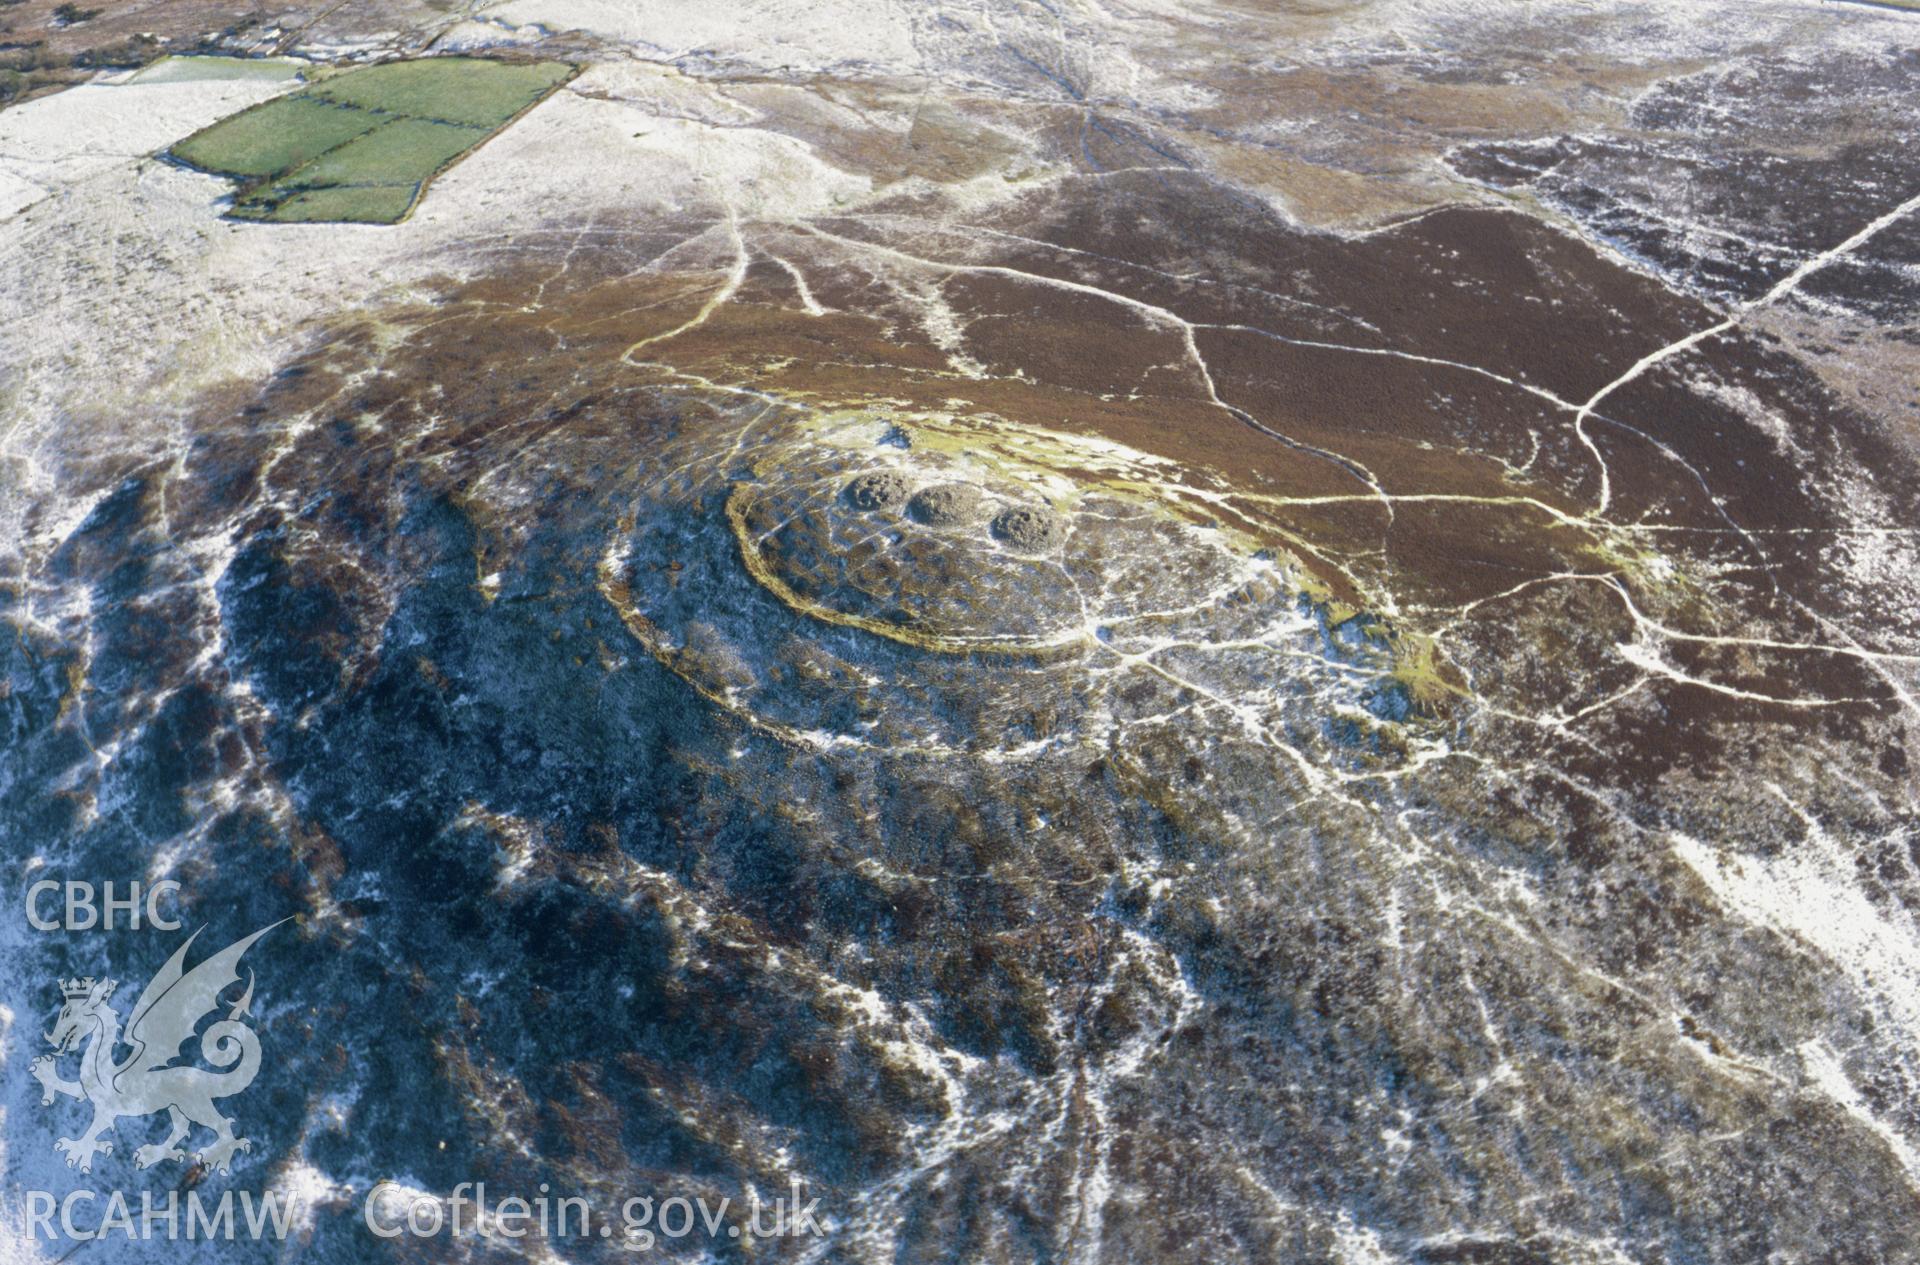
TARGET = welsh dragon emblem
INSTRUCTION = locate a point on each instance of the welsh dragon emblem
(170, 1008)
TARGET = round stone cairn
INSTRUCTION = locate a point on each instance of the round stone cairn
(877, 490)
(1024, 527)
(945, 504)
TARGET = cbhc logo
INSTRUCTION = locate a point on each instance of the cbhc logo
(80, 911)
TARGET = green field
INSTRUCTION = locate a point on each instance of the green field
(188, 68)
(274, 137)
(362, 146)
(480, 94)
